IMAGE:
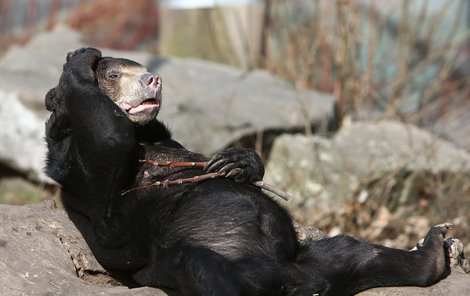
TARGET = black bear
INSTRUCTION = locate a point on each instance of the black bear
(221, 236)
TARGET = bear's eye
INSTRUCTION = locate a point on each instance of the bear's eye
(112, 76)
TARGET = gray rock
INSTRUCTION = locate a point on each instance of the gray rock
(326, 173)
(457, 284)
(42, 253)
(306, 234)
(209, 106)
(22, 145)
(31, 70)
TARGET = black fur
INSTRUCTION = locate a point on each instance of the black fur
(218, 237)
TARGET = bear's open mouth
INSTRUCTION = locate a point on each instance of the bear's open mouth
(145, 105)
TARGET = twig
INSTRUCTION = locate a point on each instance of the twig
(174, 164)
(195, 179)
(165, 183)
(282, 194)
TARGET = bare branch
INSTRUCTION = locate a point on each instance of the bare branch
(282, 194)
(191, 164)
(195, 179)
(174, 164)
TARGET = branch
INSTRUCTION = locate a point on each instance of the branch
(174, 164)
(282, 194)
(165, 183)
(195, 179)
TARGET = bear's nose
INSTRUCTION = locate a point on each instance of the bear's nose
(151, 80)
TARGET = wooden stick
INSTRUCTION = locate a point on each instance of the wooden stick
(165, 183)
(174, 164)
(282, 194)
(195, 179)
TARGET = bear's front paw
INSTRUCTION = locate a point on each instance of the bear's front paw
(82, 63)
(241, 165)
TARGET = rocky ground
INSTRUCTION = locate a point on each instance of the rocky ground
(386, 182)
(42, 253)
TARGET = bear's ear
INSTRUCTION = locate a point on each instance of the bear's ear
(52, 99)
(69, 56)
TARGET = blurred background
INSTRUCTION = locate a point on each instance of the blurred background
(360, 108)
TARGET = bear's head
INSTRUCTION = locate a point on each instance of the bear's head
(127, 83)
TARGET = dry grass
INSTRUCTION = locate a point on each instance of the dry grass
(340, 47)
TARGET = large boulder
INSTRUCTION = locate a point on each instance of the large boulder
(22, 146)
(31, 70)
(372, 175)
(42, 253)
(207, 106)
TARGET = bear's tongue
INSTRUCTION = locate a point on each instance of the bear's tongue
(145, 105)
